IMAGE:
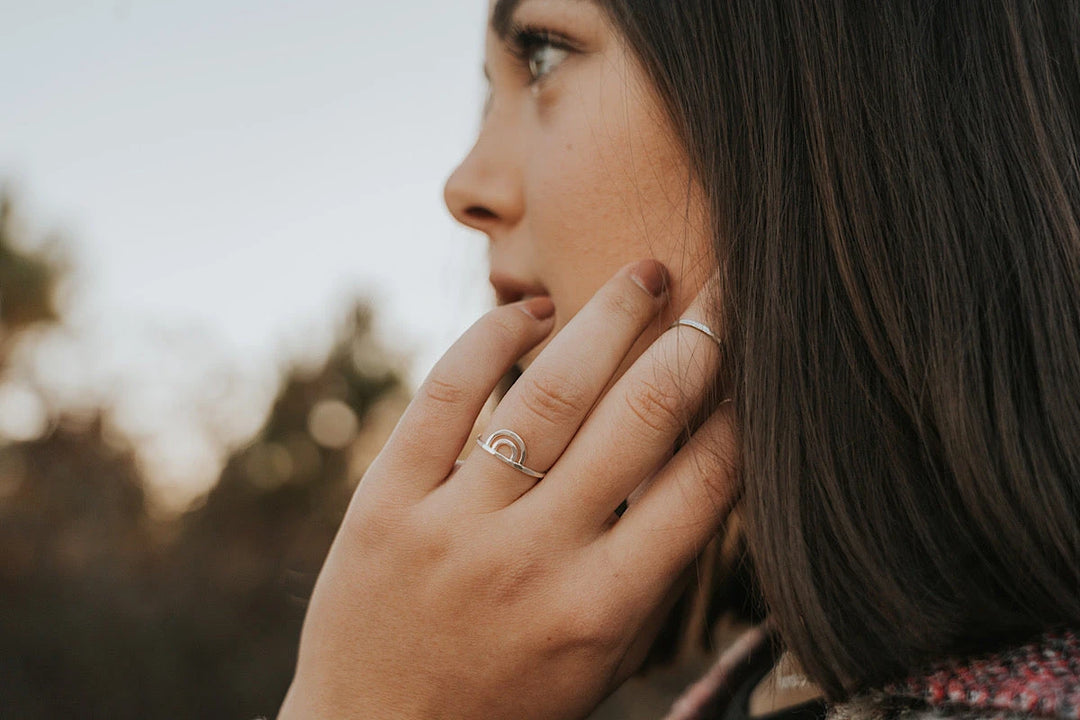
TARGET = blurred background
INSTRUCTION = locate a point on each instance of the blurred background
(224, 267)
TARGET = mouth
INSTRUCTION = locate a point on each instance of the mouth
(510, 290)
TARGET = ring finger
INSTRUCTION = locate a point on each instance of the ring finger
(547, 405)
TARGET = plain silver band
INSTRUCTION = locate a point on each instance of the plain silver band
(503, 438)
(701, 327)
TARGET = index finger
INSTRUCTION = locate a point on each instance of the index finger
(431, 433)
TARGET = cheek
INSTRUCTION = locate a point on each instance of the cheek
(606, 184)
(606, 187)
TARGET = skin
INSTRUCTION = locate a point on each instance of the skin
(577, 173)
(468, 589)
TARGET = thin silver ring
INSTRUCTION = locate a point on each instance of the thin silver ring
(508, 439)
(699, 326)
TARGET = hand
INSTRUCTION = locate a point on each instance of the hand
(470, 590)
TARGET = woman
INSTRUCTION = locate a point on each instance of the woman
(887, 195)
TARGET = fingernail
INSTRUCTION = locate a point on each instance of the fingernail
(538, 308)
(650, 276)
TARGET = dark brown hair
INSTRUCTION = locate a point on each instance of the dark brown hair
(895, 191)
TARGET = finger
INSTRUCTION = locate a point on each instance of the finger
(632, 431)
(435, 426)
(547, 404)
(688, 501)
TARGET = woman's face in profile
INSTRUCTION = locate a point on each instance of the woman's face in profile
(576, 170)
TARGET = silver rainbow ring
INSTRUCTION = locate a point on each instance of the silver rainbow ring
(501, 440)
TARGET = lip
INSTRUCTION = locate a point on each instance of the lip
(510, 289)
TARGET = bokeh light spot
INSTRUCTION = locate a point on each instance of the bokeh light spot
(269, 465)
(23, 416)
(333, 424)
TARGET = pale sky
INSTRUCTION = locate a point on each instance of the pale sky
(227, 175)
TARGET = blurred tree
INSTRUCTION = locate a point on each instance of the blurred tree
(28, 280)
(77, 623)
(108, 612)
(253, 549)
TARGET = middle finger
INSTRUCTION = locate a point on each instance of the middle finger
(632, 432)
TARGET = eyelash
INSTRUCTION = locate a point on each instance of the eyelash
(524, 40)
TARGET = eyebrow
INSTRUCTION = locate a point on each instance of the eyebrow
(501, 16)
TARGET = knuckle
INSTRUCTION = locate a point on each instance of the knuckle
(716, 476)
(623, 305)
(376, 529)
(432, 544)
(505, 327)
(657, 404)
(717, 463)
(591, 627)
(442, 392)
(554, 400)
(515, 579)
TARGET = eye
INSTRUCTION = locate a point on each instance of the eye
(539, 51)
(545, 58)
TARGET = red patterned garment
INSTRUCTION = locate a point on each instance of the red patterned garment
(1040, 679)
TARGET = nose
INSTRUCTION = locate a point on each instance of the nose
(485, 190)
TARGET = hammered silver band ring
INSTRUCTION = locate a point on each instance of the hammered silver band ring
(700, 327)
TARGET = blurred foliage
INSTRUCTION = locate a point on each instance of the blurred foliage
(28, 282)
(108, 610)
(27, 279)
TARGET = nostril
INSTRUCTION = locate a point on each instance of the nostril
(479, 214)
